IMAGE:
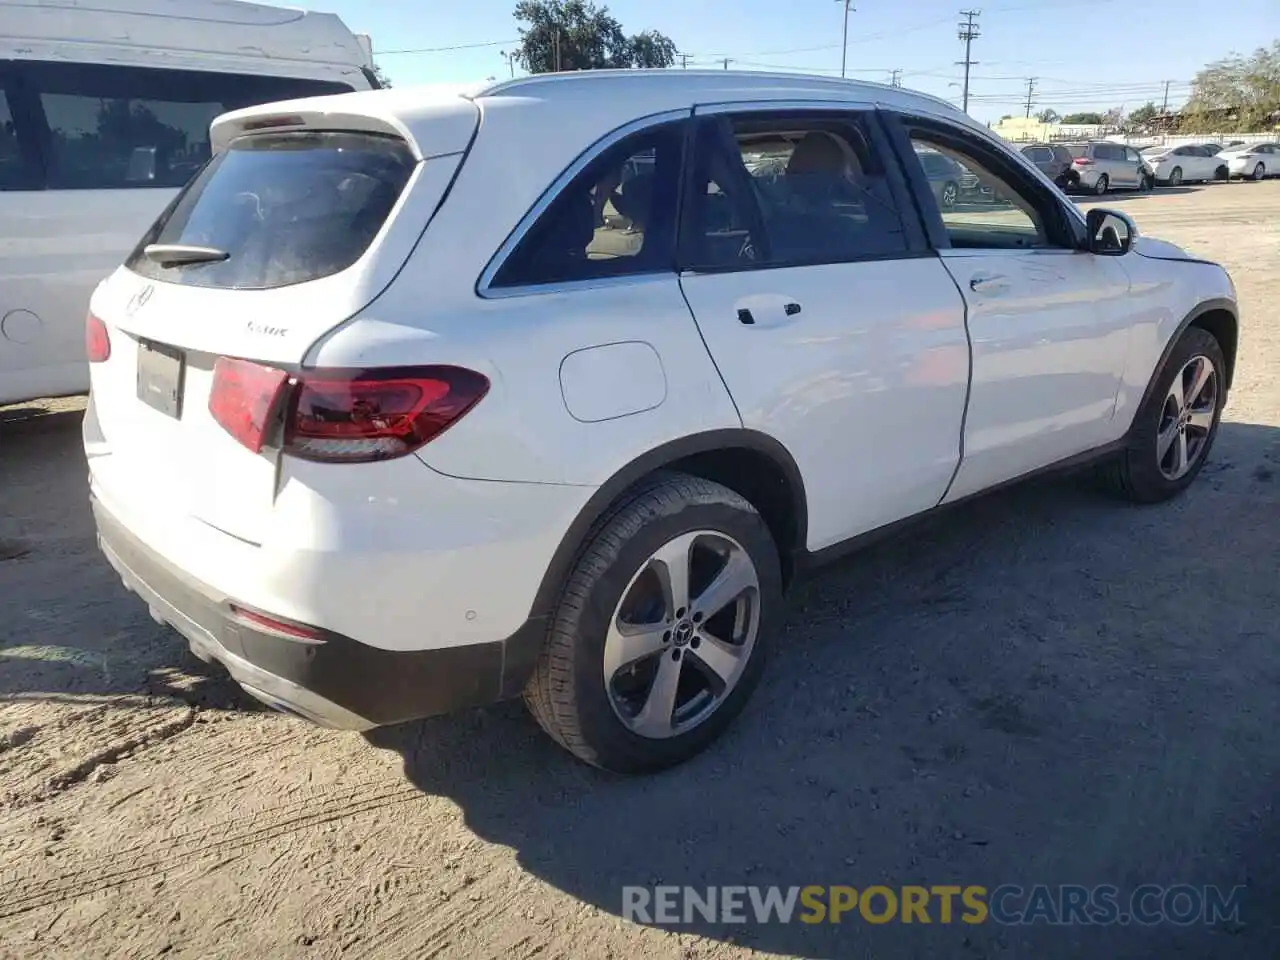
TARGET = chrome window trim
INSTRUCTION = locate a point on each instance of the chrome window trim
(485, 288)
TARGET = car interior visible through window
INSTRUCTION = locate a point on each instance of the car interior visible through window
(788, 191)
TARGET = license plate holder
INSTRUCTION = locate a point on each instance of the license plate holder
(161, 373)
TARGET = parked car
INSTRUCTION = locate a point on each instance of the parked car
(1102, 166)
(1055, 162)
(944, 176)
(1171, 166)
(104, 114)
(1253, 161)
(388, 442)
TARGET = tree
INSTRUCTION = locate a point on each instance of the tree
(578, 35)
(381, 76)
(1142, 117)
(1083, 118)
(1048, 115)
(1238, 93)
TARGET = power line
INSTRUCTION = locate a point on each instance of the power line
(968, 33)
(457, 46)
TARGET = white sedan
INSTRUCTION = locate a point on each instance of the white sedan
(404, 406)
(1172, 166)
(1254, 162)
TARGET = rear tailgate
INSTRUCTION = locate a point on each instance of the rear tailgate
(295, 231)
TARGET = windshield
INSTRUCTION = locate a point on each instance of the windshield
(283, 208)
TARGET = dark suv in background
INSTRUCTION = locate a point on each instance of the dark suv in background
(1054, 161)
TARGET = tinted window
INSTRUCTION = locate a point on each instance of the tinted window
(1038, 154)
(140, 127)
(992, 212)
(814, 188)
(1078, 150)
(615, 218)
(11, 163)
(1132, 155)
(1062, 154)
(1182, 152)
(284, 207)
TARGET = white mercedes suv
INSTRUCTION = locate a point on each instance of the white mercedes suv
(414, 400)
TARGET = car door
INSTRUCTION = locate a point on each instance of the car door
(836, 330)
(1123, 173)
(1133, 160)
(1049, 324)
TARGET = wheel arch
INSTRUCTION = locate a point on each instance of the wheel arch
(1218, 317)
(751, 463)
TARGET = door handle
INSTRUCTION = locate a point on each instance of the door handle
(988, 284)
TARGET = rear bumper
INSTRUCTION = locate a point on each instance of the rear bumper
(336, 681)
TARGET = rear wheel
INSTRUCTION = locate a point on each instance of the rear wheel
(1173, 432)
(659, 637)
(1103, 184)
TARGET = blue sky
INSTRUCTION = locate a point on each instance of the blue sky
(1087, 54)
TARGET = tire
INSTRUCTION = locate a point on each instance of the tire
(570, 694)
(1175, 177)
(1138, 473)
(1103, 184)
(1222, 174)
(1259, 172)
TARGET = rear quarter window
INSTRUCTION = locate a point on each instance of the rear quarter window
(284, 208)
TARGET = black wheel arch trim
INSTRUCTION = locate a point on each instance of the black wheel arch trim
(1216, 305)
(656, 459)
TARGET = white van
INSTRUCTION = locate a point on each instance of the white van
(104, 114)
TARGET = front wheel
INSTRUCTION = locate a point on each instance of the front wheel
(1177, 423)
(1102, 185)
(1221, 174)
(1259, 172)
(1175, 177)
(660, 635)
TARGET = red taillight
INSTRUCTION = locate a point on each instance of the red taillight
(97, 342)
(354, 416)
(1082, 162)
(243, 397)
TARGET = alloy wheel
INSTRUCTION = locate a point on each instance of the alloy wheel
(1175, 178)
(682, 634)
(1186, 418)
(1103, 183)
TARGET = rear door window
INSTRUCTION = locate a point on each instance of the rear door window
(789, 190)
(283, 209)
(107, 127)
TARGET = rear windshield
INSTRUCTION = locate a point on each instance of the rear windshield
(1078, 150)
(284, 208)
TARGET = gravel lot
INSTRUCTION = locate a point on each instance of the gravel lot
(1046, 687)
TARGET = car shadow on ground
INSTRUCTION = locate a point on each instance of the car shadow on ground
(1045, 687)
(1123, 196)
(94, 644)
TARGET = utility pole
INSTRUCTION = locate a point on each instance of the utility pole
(844, 43)
(684, 61)
(1031, 95)
(557, 48)
(895, 78)
(968, 33)
(511, 62)
(1165, 108)
(727, 61)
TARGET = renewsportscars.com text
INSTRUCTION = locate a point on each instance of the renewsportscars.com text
(1009, 904)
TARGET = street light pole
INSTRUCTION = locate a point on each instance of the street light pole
(844, 42)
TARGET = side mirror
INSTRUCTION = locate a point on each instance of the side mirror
(1111, 234)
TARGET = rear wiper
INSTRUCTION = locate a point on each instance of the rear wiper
(181, 254)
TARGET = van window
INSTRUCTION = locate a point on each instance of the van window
(11, 163)
(119, 127)
(284, 208)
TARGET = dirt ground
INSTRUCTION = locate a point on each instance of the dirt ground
(1047, 687)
